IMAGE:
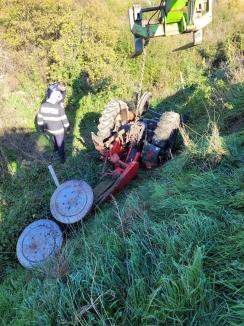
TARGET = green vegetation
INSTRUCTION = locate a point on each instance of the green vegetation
(169, 249)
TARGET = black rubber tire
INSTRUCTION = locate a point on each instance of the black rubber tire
(143, 104)
(167, 127)
(107, 120)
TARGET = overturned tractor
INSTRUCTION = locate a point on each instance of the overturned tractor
(126, 139)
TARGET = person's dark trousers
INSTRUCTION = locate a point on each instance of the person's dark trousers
(58, 143)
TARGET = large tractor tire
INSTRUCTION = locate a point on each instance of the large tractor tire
(166, 131)
(107, 121)
(143, 104)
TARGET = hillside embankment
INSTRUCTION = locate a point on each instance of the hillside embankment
(169, 249)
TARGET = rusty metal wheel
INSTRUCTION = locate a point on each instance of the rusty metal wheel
(71, 201)
(39, 242)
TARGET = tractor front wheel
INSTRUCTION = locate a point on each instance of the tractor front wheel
(143, 104)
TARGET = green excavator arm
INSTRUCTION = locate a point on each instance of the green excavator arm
(174, 17)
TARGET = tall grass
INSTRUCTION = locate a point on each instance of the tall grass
(174, 259)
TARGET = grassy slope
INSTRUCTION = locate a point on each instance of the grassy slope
(169, 249)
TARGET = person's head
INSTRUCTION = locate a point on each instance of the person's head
(61, 86)
(55, 97)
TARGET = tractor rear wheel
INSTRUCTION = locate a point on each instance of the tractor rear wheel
(107, 121)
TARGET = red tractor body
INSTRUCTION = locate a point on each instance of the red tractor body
(128, 144)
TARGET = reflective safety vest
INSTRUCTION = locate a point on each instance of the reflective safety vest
(53, 118)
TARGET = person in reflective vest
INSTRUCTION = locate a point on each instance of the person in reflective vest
(52, 119)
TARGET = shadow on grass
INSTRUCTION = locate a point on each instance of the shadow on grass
(176, 101)
(81, 87)
(19, 146)
(86, 126)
